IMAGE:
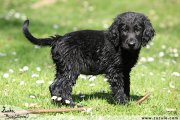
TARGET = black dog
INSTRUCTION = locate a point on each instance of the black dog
(112, 52)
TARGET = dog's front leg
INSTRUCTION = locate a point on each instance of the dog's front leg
(116, 80)
(127, 83)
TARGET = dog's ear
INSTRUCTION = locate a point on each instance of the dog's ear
(114, 33)
(148, 32)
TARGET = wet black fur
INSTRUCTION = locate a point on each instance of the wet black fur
(112, 52)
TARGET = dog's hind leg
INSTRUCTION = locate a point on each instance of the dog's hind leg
(66, 59)
(61, 88)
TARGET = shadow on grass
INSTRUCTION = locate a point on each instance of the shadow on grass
(99, 95)
(96, 95)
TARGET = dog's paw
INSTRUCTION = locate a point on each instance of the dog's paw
(60, 95)
(123, 99)
(63, 101)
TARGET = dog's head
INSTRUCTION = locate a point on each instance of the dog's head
(131, 31)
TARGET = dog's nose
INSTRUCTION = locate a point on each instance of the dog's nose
(131, 44)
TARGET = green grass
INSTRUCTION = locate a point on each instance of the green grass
(155, 77)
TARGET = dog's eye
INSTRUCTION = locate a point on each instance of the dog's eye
(124, 30)
(137, 30)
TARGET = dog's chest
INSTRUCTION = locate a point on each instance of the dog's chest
(129, 59)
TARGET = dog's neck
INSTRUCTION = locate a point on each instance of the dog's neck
(130, 52)
(130, 57)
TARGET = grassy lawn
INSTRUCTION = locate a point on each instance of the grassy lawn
(27, 70)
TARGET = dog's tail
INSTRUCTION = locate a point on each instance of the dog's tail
(38, 41)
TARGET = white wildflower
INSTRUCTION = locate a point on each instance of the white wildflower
(21, 70)
(3, 54)
(84, 77)
(31, 105)
(169, 91)
(143, 59)
(5, 75)
(174, 50)
(151, 43)
(11, 70)
(26, 104)
(150, 59)
(176, 55)
(37, 46)
(23, 17)
(163, 47)
(17, 15)
(176, 74)
(22, 83)
(170, 109)
(40, 81)
(147, 46)
(92, 78)
(34, 75)
(55, 26)
(16, 59)
(13, 53)
(6, 92)
(25, 68)
(91, 8)
(105, 79)
(32, 96)
(151, 73)
(11, 12)
(89, 110)
(50, 82)
(92, 85)
(75, 28)
(105, 25)
(167, 63)
(173, 61)
(163, 79)
(161, 54)
(85, 4)
(171, 85)
(38, 68)
(165, 88)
